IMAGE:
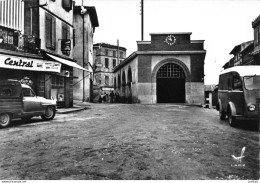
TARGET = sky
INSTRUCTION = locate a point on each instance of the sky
(223, 24)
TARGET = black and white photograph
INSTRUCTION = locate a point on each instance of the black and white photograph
(99, 90)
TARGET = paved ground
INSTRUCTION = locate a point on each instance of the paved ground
(129, 142)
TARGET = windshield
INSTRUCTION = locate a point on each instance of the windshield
(252, 82)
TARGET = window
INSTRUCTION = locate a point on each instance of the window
(106, 63)
(65, 31)
(65, 34)
(257, 35)
(106, 80)
(114, 62)
(114, 53)
(237, 83)
(27, 92)
(67, 4)
(50, 31)
(170, 70)
(106, 52)
(121, 54)
(57, 81)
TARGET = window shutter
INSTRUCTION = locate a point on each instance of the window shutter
(48, 30)
(68, 32)
(53, 39)
(63, 33)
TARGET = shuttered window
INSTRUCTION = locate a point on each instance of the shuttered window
(12, 14)
(65, 31)
(50, 31)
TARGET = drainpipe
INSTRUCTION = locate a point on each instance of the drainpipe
(83, 51)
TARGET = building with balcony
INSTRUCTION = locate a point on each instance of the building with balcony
(85, 22)
(35, 46)
(247, 53)
(256, 51)
(106, 58)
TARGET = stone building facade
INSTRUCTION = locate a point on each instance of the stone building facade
(256, 51)
(40, 34)
(167, 69)
(84, 29)
(247, 53)
(106, 58)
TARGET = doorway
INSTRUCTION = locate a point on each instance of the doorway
(170, 81)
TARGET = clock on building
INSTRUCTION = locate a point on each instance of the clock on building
(170, 40)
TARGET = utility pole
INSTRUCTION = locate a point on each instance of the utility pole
(142, 20)
(83, 56)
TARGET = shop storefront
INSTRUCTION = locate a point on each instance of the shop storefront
(52, 79)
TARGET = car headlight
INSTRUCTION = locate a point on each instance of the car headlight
(251, 107)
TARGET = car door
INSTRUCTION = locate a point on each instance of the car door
(31, 104)
(236, 93)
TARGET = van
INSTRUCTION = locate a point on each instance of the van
(19, 101)
(239, 94)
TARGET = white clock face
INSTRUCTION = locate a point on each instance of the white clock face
(170, 40)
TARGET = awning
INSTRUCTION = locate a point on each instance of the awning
(66, 62)
(31, 64)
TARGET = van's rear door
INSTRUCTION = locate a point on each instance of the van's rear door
(10, 97)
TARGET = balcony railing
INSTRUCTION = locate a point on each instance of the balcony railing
(31, 44)
(20, 43)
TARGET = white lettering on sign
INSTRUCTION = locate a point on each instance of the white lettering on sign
(11, 62)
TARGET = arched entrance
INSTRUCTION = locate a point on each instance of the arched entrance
(129, 82)
(170, 80)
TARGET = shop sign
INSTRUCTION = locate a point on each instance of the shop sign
(12, 62)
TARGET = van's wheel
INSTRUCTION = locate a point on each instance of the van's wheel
(231, 119)
(5, 120)
(222, 115)
(49, 113)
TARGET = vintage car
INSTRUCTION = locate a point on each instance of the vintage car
(19, 101)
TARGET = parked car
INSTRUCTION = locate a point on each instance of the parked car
(239, 94)
(19, 101)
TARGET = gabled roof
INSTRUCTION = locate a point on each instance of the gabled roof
(240, 47)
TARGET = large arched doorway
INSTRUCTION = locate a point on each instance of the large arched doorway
(170, 80)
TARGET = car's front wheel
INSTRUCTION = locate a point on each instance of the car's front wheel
(49, 113)
(5, 120)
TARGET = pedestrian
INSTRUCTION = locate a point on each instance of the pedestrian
(107, 98)
(111, 97)
(100, 96)
(104, 97)
(117, 96)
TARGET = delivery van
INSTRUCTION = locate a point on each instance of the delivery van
(19, 101)
(239, 94)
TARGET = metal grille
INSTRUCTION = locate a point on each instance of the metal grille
(170, 70)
